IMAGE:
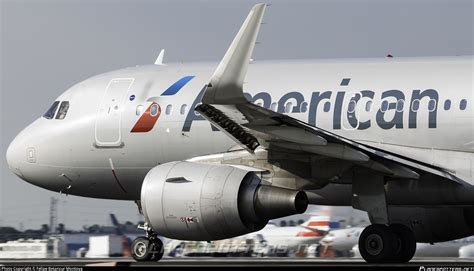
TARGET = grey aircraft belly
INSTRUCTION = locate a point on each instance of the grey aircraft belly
(211, 153)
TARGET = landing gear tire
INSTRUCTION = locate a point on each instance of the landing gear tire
(377, 244)
(142, 249)
(406, 243)
(147, 249)
(158, 250)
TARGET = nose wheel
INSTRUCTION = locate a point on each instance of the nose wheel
(147, 248)
(387, 244)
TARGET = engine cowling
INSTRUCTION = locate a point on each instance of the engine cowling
(191, 201)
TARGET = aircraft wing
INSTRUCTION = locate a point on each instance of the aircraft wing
(251, 126)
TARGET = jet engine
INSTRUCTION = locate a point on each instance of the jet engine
(201, 202)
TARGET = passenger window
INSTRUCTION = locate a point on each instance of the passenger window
(62, 110)
(351, 107)
(139, 110)
(447, 104)
(431, 105)
(50, 113)
(303, 107)
(384, 106)
(168, 109)
(463, 104)
(288, 107)
(415, 105)
(400, 105)
(368, 106)
(154, 110)
(327, 107)
(273, 107)
(183, 109)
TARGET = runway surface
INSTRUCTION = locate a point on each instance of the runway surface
(230, 262)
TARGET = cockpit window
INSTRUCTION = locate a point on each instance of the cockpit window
(62, 110)
(50, 113)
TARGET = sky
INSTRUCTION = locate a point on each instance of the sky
(47, 46)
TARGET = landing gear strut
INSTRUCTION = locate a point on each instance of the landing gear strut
(149, 247)
(379, 243)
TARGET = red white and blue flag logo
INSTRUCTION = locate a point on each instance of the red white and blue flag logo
(147, 120)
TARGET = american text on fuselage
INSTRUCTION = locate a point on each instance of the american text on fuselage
(348, 108)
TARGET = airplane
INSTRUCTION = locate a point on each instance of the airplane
(462, 248)
(212, 153)
(284, 241)
(288, 240)
(343, 215)
(272, 240)
(291, 235)
(341, 241)
(466, 250)
(345, 242)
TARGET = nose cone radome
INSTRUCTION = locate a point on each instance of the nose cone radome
(15, 154)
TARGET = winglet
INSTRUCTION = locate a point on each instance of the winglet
(159, 59)
(226, 84)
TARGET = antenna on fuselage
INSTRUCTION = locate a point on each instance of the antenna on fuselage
(159, 59)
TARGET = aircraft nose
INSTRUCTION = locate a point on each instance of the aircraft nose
(327, 239)
(15, 154)
(23, 159)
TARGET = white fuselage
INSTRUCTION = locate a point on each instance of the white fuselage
(287, 238)
(342, 239)
(421, 108)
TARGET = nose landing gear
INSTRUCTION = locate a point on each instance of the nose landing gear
(147, 248)
(387, 244)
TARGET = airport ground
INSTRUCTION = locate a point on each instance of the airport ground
(234, 262)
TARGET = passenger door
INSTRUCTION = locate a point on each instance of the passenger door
(109, 115)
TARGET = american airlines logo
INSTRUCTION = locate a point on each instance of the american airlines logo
(349, 110)
(352, 110)
(147, 120)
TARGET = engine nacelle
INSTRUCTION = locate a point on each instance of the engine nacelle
(191, 201)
